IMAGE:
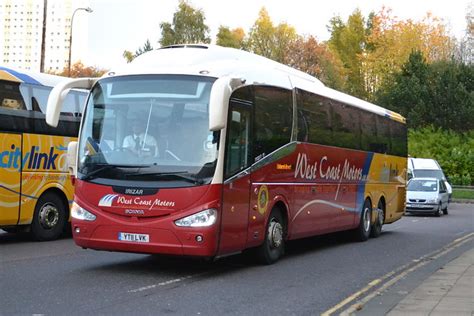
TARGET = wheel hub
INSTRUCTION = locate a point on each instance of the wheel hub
(49, 216)
(366, 219)
(275, 234)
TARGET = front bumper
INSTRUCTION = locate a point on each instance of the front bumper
(421, 207)
(161, 240)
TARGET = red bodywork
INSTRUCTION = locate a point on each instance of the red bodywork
(320, 188)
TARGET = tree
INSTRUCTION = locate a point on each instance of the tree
(79, 70)
(129, 56)
(188, 27)
(440, 94)
(348, 41)
(314, 58)
(231, 38)
(392, 41)
(270, 41)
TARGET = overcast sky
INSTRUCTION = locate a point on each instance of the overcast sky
(118, 25)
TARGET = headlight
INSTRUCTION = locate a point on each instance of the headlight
(202, 219)
(78, 212)
(432, 201)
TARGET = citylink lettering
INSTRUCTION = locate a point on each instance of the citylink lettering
(33, 159)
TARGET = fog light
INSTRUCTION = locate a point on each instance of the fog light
(199, 238)
(77, 230)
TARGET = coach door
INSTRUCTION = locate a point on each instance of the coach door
(236, 191)
(10, 178)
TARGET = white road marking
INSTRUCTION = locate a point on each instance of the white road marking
(149, 287)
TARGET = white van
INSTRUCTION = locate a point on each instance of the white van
(427, 168)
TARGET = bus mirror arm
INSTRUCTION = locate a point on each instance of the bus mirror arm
(58, 95)
(72, 158)
(219, 101)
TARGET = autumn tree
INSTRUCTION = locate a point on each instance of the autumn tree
(348, 41)
(188, 27)
(79, 70)
(392, 41)
(234, 38)
(268, 40)
(314, 58)
(129, 56)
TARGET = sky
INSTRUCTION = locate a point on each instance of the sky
(118, 25)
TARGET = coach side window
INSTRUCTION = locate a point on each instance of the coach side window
(273, 119)
(398, 134)
(314, 118)
(10, 96)
(345, 126)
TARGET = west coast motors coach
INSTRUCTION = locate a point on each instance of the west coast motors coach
(206, 151)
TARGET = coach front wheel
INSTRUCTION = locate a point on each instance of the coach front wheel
(273, 246)
(50, 217)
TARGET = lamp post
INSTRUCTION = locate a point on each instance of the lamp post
(88, 10)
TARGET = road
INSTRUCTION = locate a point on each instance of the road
(316, 274)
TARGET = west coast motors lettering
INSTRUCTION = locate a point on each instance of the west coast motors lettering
(138, 201)
(324, 169)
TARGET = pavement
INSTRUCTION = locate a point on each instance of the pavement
(448, 291)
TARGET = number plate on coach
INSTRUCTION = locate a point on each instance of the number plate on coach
(134, 237)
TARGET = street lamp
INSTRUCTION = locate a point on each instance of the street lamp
(88, 10)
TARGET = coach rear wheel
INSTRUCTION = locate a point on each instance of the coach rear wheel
(362, 232)
(379, 220)
(273, 245)
(50, 217)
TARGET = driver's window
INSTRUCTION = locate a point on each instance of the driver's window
(238, 139)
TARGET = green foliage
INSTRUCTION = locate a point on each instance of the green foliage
(129, 56)
(271, 41)
(348, 41)
(230, 38)
(439, 94)
(454, 151)
(188, 27)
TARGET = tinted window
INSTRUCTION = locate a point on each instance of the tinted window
(329, 122)
(10, 96)
(398, 132)
(238, 144)
(314, 118)
(273, 119)
(345, 126)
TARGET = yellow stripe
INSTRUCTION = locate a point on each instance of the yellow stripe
(8, 77)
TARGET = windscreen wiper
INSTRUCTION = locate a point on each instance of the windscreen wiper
(95, 172)
(179, 175)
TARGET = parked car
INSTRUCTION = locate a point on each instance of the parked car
(427, 168)
(427, 195)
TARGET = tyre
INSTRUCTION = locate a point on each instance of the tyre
(439, 211)
(376, 229)
(445, 210)
(50, 217)
(362, 232)
(273, 246)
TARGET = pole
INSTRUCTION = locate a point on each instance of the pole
(43, 35)
(88, 10)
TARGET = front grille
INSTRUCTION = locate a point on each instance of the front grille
(417, 201)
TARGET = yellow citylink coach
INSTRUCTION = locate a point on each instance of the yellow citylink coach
(35, 188)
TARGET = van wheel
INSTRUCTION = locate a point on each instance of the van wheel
(362, 232)
(445, 211)
(439, 211)
(376, 230)
(273, 246)
(50, 217)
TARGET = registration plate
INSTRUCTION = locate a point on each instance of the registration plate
(134, 237)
